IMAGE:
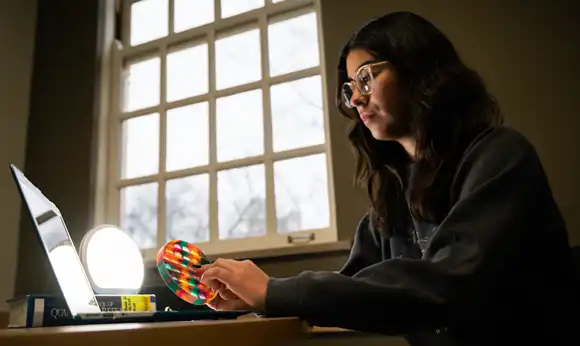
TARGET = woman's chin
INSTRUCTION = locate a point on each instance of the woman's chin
(386, 132)
(380, 134)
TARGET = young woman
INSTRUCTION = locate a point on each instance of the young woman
(463, 244)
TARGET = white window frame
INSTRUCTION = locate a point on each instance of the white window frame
(107, 198)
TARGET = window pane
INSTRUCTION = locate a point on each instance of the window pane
(139, 214)
(293, 44)
(301, 188)
(232, 7)
(190, 14)
(242, 202)
(142, 84)
(187, 137)
(239, 125)
(149, 20)
(187, 72)
(140, 146)
(238, 59)
(187, 209)
(297, 114)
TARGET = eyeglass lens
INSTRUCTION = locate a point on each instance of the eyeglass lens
(363, 84)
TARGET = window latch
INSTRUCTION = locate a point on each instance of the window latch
(301, 238)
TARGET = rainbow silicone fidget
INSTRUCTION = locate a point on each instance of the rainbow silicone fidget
(176, 262)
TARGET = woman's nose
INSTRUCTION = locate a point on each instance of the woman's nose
(357, 98)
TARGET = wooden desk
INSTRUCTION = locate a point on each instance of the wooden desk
(241, 332)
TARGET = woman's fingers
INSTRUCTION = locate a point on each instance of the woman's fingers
(225, 264)
(220, 262)
(227, 284)
(220, 274)
(215, 285)
(237, 281)
(222, 289)
(222, 270)
(227, 294)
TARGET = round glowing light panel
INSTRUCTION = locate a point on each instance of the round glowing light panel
(176, 262)
(113, 261)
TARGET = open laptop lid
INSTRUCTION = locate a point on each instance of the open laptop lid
(58, 246)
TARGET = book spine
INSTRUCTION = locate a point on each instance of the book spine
(132, 303)
(33, 311)
(55, 314)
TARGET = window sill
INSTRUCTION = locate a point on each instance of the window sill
(338, 246)
(289, 251)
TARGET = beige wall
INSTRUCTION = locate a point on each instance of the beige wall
(17, 25)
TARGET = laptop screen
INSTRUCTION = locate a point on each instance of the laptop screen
(58, 245)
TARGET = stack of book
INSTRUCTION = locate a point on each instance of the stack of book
(43, 311)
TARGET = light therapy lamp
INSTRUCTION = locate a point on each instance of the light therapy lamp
(112, 260)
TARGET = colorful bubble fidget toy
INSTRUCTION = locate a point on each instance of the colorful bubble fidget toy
(176, 262)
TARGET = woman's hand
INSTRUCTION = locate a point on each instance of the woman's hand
(241, 285)
(226, 299)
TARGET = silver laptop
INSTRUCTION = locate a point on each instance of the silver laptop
(61, 252)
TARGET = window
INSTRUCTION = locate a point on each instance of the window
(217, 129)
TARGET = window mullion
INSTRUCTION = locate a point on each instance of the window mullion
(267, 126)
(126, 23)
(161, 215)
(114, 209)
(171, 17)
(213, 199)
(217, 10)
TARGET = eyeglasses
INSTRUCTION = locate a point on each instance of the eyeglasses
(364, 81)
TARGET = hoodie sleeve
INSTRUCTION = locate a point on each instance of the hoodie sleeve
(499, 183)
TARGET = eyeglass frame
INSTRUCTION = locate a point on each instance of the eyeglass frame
(369, 67)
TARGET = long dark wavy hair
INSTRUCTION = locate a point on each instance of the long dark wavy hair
(446, 105)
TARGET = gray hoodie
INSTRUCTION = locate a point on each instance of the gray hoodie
(497, 269)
